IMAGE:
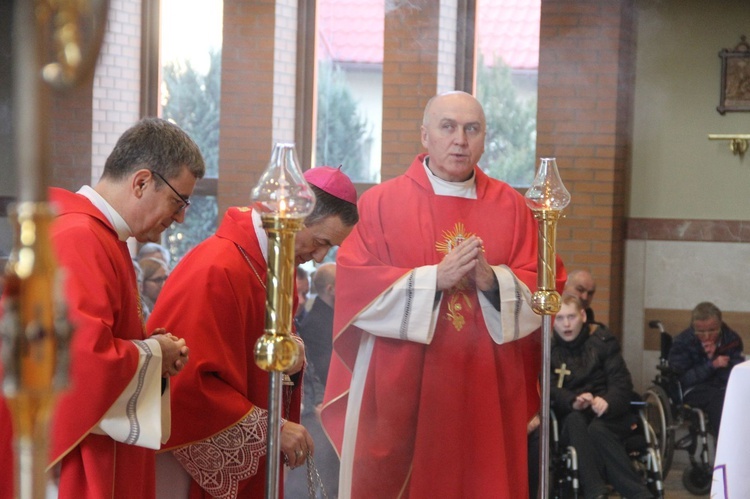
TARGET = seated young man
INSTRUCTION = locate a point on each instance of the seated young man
(590, 394)
(703, 356)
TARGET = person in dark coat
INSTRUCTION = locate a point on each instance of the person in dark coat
(703, 355)
(316, 329)
(590, 392)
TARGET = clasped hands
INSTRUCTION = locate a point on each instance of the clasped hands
(586, 400)
(174, 352)
(466, 260)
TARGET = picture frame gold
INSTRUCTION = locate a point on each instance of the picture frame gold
(735, 78)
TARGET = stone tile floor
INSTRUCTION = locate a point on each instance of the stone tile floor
(673, 488)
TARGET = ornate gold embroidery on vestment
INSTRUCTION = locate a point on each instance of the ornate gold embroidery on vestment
(456, 296)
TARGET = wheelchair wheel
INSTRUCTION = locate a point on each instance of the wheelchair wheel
(697, 480)
(659, 416)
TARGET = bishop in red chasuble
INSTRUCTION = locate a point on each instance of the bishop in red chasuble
(216, 298)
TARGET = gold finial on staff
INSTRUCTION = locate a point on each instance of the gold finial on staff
(546, 197)
(283, 199)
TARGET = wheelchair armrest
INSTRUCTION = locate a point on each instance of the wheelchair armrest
(666, 370)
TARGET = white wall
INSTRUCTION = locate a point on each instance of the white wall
(678, 275)
(677, 173)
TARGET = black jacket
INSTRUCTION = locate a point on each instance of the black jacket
(596, 366)
(316, 330)
(690, 362)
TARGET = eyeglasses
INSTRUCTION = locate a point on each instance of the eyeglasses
(186, 201)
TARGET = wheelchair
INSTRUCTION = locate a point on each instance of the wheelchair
(666, 413)
(641, 446)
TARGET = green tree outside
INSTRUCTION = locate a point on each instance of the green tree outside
(342, 134)
(510, 145)
(192, 102)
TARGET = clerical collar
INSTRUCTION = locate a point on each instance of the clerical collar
(260, 233)
(121, 226)
(466, 189)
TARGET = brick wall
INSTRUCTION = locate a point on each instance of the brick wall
(116, 96)
(447, 33)
(257, 92)
(285, 69)
(586, 64)
(410, 78)
(70, 138)
(86, 121)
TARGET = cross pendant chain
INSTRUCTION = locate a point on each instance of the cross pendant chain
(247, 259)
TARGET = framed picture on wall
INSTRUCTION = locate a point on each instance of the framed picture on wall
(735, 78)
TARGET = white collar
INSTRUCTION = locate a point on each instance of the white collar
(121, 226)
(465, 189)
(260, 233)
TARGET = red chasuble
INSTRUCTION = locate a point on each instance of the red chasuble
(102, 295)
(215, 298)
(446, 419)
(6, 447)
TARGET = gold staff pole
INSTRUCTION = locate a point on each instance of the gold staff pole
(35, 331)
(284, 199)
(546, 197)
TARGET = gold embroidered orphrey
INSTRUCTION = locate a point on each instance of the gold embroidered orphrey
(457, 295)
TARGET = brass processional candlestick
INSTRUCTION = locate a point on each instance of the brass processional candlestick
(55, 45)
(284, 199)
(546, 197)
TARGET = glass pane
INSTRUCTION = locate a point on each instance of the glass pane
(191, 36)
(200, 223)
(507, 69)
(191, 71)
(350, 87)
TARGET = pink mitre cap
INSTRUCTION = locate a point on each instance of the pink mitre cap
(333, 181)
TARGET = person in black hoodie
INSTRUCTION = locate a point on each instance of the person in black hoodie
(590, 392)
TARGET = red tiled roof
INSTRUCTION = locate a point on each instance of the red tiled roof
(509, 29)
(352, 31)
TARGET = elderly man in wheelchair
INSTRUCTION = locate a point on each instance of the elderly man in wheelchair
(590, 395)
(703, 356)
(690, 384)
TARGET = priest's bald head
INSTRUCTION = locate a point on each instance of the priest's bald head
(333, 217)
(453, 131)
